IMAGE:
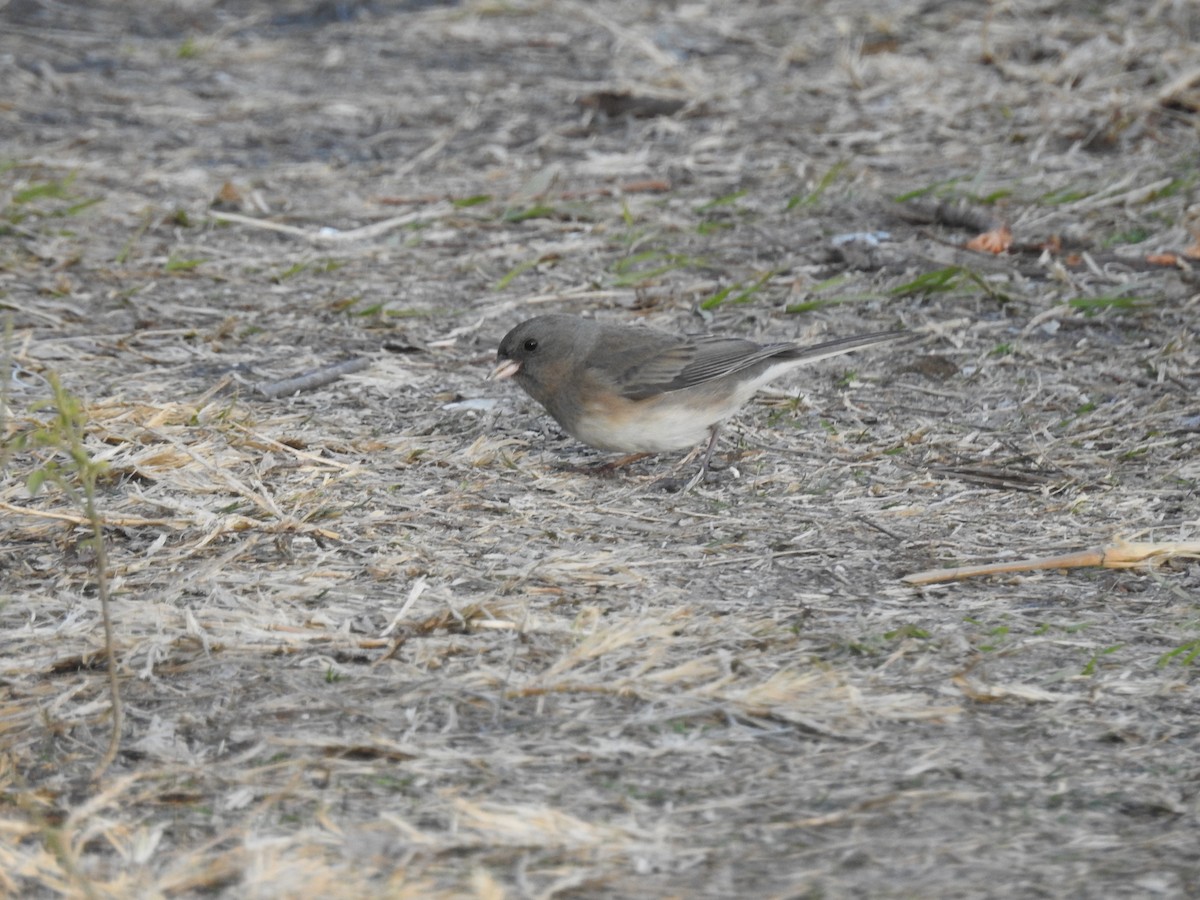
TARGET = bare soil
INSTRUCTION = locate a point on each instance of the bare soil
(381, 637)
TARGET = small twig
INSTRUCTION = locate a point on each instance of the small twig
(114, 689)
(438, 145)
(315, 458)
(313, 380)
(82, 519)
(333, 235)
(67, 436)
(264, 224)
(1117, 555)
(7, 377)
(880, 528)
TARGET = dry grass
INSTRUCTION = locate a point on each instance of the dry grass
(381, 638)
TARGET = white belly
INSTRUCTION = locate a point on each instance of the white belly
(666, 429)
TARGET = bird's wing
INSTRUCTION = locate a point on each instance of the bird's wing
(689, 362)
(661, 366)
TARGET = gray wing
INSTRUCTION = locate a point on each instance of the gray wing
(688, 362)
(654, 368)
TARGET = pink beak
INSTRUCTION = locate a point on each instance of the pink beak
(506, 369)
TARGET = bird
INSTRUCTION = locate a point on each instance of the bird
(638, 390)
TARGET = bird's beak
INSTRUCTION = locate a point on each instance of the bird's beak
(506, 369)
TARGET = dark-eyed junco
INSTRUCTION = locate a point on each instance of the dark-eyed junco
(641, 390)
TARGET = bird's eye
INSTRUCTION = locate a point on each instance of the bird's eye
(530, 345)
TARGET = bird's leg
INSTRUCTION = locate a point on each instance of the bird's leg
(704, 460)
(714, 431)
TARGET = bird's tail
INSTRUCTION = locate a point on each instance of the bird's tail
(838, 346)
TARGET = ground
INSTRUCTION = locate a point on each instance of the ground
(385, 635)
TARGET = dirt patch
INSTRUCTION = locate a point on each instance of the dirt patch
(380, 638)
